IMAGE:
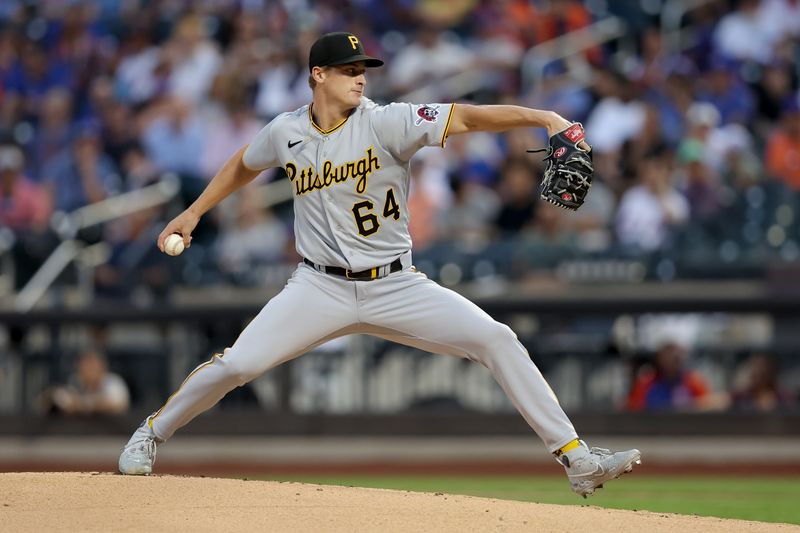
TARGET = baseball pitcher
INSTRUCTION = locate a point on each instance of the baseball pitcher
(347, 159)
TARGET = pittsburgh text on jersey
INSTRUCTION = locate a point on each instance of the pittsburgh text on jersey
(309, 179)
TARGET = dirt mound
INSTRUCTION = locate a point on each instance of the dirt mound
(106, 502)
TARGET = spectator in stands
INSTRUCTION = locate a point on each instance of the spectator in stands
(700, 183)
(722, 87)
(24, 205)
(172, 134)
(548, 239)
(429, 58)
(648, 138)
(98, 99)
(446, 14)
(758, 389)
(517, 17)
(90, 390)
(657, 62)
(429, 197)
(77, 39)
(478, 158)
(780, 19)
(592, 223)
(25, 208)
(82, 174)
(672, 100)
(233, 128)
(135, 267)
(617, 117)
(740, 34)
(255, 239)
(565, 16)
(136, 271)
(667, 385)
(702, 123)
(468, 222)
(137, 78)
(774, 87)
(29, 80)
(713, 156)
(249, 46)
(54, 132)
(119, 132)
(649, 211)
(191, 58)
(8, 58)
(497, 54)
(560, 91)
(742, 169)
(783, 147)
(518, 193)
(281, 85)
(137, 170)
(719, 143)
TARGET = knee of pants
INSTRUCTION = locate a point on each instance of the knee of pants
(236, 369)
(495, 341)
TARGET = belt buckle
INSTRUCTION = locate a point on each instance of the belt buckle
(373, 274)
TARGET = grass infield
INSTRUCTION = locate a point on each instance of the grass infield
(748, 498)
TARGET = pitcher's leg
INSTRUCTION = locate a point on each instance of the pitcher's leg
(441, 318)
(310, 308)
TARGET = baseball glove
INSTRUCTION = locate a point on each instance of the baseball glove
(568, 176)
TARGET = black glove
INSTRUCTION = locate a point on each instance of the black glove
(568, 176)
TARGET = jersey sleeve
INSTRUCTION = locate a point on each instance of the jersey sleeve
(405, 128)
(261, 153)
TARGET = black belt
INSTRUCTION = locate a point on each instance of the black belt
(364, 275)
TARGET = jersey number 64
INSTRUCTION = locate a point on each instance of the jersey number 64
(367, 221)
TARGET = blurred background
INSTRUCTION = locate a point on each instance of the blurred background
(664, 313)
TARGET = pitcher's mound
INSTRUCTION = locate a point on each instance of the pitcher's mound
(72, 502)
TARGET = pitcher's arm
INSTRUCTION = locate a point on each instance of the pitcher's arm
(232, 176)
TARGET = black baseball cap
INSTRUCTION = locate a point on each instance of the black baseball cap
(339, 48)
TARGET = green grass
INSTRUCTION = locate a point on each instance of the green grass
(748, 498)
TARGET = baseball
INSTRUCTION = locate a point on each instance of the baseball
(173, 245)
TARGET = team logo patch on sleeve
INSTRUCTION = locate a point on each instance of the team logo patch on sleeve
(427, 113)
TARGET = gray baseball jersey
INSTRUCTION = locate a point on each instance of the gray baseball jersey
(351, 182)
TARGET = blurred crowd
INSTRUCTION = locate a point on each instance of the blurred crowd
(91, 389)
(696, 135)
(666, 383)
(696, 138)
(672, 378)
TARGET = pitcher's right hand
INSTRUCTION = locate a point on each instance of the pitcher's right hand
(183, 224)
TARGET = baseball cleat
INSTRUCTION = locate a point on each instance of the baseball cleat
(139, 454)
(589, 468)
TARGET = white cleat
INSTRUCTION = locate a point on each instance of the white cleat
(139, 454)
(588, 468)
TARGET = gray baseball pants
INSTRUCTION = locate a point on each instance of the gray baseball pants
(404, 307)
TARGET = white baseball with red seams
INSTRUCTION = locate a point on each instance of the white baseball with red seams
(173, 244)
(350, 200)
